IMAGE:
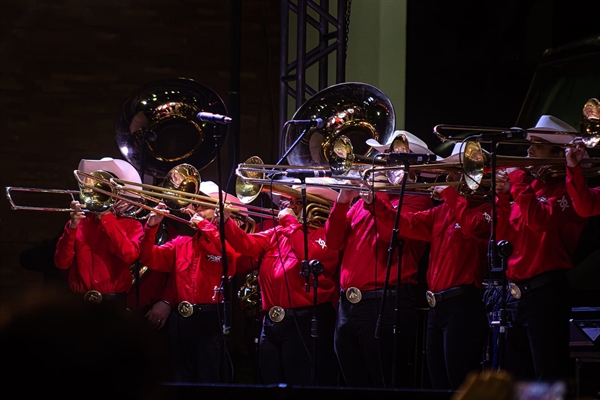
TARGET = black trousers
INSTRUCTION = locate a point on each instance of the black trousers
(457, 330)
(195, 346)
(366, 360)
(287, 348)
(537, 338)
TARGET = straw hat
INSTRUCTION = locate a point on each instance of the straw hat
(552, 130)
(416, 145)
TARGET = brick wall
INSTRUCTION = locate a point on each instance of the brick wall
(68, 66)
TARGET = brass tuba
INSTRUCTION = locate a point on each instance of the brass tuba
(159, 127)
(356, 110)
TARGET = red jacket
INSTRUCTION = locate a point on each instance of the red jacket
(541, 224)
(195, 261)
(99, 253)
(459, 232)
(364, 232)
(282, 251)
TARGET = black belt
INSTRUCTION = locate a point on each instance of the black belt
(95, 297)
(518, 289)
(355, 295)
(186, 309)
(434, 298)
(277, 314)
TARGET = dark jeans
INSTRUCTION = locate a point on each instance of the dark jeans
(456, 339)
(196, 345)
(287, 348)
(537, 338)
(367, 361)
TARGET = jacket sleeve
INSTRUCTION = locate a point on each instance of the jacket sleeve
(337, 226)
(157, 257)
(65, 248)
(125, 235)
(248, 244)
(474, 221)
(540, 215)
(586, 201)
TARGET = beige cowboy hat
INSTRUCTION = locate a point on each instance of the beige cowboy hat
(120, 168)
(553, 130)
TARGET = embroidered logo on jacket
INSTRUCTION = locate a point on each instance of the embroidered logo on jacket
(456, 226)
(213, 258)
(563, 203)
(488, 217)
(321, 243)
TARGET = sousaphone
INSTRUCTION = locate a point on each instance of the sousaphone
(158, 126)
(355, 110)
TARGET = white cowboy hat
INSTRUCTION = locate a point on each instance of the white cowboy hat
(457, 154)
(552, 130)
(120, 168)
(416, 145)
(211, 189)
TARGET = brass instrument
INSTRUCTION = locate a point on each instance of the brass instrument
(159, 127)
(589, 125)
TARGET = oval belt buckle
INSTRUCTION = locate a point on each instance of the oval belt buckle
(276, 314)
(430, 298)
(515, 290)
(93, 296)
(353, 295)
(185, 308)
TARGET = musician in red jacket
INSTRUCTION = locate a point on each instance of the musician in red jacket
(363, 231)
(196, 325)
(98, 248)
(287, 346)
(544, 229)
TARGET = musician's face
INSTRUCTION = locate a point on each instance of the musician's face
(543, 149)
(295, 203)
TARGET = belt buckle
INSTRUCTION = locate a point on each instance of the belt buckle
(276, 314)
(353, 295)
(93, 296)
(430, 298)
(515, 290)
(185, 308)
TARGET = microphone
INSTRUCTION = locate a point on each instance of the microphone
(400, 158)
(214, 118)
(513, 133)
(306, 173)
(318, 123)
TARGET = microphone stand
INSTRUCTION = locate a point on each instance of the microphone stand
(313, 268)
(148, 136)
(395, 242)
(503, 250)
(226, 317)
(293, 146)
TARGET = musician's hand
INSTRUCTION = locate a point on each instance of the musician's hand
(574, 155)
(502, 182)
(436, 192)
(159, 313)
(226, 213)
(286, 211)
(156, 217)
(77, 214)
(347, 195)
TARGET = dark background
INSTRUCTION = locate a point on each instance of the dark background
(66, 67)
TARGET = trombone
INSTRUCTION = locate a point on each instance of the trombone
(15, 206)
(157, 194)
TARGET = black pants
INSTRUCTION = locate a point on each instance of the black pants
(456, 339)
(537, 338)
(286, 348)
(195, 346)
(367, 361)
